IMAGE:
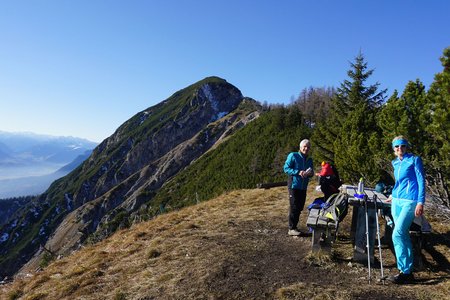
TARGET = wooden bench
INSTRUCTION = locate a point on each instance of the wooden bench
(323, 230)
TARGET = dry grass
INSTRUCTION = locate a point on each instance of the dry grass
(310, 292)
(232, 247)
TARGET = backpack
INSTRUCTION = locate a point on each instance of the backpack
(329, 185)
(329, 213)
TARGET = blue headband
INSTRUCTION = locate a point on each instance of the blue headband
(399, 142)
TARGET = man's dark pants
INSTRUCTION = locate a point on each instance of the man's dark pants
(297, 200)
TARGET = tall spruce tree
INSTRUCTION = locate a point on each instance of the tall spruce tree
(438, 126)
(349, 137)
(387, 119)
(402, 116)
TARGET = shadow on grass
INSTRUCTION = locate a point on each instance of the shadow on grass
(432, 280)
(441, 261)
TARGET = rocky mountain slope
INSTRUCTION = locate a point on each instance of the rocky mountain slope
(125, 171)
(11, 205)
(232, 247)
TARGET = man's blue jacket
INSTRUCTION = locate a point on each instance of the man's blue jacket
(409, 178)
(296, 162)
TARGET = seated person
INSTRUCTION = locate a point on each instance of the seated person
(329, 180)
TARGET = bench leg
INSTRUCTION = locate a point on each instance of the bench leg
(328, 238)
(316, 235)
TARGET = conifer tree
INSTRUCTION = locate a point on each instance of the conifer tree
(349, 137)
(438, 126)
(402, 116)
(387, 119)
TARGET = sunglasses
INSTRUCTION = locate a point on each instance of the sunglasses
(403, 146)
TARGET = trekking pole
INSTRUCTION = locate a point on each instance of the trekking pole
(367, 234)
(375, 199)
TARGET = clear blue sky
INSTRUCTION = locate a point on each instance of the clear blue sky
(82, 68)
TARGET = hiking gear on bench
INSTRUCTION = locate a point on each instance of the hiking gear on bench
(329, 213)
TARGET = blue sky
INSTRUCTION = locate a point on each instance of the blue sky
(82, 68)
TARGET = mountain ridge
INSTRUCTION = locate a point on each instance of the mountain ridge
(126, 169)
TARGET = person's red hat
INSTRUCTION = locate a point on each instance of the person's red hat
(326, 169)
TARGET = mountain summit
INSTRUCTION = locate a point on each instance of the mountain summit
(125, 171)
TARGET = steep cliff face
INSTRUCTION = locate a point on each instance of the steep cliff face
(125, 170)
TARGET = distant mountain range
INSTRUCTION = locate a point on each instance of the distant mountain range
(30, 162)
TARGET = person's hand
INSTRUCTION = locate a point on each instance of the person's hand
(419, 210)
(302, 174)
(389, 199)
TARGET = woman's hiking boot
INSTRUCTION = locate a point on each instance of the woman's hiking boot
(402, 278)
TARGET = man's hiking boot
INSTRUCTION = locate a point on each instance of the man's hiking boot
(402, 278)
(294, 232)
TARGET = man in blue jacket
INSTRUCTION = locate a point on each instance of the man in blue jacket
(299, 168)
(408, 199)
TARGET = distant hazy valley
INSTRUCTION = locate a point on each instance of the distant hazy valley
(29, 162)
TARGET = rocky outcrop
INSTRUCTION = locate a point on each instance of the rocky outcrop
(129, 167)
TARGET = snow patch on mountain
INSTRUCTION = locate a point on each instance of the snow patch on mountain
(4, 237)
(212, 98)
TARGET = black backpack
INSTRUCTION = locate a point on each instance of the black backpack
(329, 185)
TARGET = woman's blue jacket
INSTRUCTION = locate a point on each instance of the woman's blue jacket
(409, 178)
(296, 162)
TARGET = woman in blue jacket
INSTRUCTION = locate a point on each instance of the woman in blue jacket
(299, 168)
(408, 199)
